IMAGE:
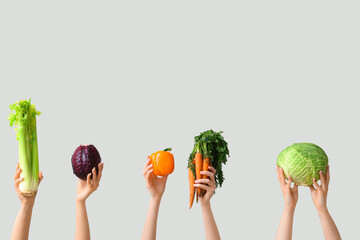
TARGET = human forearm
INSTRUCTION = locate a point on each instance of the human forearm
(149, 232)
(211, 230)
(82, 231)
(284, 231)
(22, 223)
(329, 227)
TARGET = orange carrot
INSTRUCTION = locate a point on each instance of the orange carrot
(206, 164)
(191, 184)
(198, 168)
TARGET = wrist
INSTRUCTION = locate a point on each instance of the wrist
(205, 205)
(80, 201)
(289, 208)
(156, 199)
(27, 204)
(322, 210)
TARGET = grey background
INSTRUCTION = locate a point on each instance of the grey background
(134, 77)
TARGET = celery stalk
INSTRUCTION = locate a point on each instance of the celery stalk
(24, 117)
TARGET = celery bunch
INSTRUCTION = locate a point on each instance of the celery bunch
(24, 117)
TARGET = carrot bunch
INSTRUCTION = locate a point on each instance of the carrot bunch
(210, 149)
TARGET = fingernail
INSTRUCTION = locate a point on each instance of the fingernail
(196, 181)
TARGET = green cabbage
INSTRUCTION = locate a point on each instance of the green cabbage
(303, 161)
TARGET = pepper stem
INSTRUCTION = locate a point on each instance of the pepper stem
(167, 149)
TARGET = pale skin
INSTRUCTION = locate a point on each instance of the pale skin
(83, 191)
(290, 194)
(318, 195)
(156, 188)
(211, 230)
(22, 223)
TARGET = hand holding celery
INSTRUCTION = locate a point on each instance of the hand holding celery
(22, 223)
(25, 200)
(24, 117)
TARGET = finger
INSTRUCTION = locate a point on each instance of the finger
(278, 174)
(312, 188)
(146, 170)
(17, 182)
(101, 167)
(212, 169)
(17, 173)
(322, 178)
(203, 186)
(209, 174)
(94, 177)
(315, 183)
(147, 162)
(88, 179)
(296, 186)
(327, 175)
(206, 181)
(40, 177)
(148, 174)
(282, 178)
(288, 184)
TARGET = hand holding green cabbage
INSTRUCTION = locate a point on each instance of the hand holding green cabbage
(303, 161)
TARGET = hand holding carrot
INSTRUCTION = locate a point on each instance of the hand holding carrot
(24, 200)
(206, 184)
(154, 184)
(86, 188)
